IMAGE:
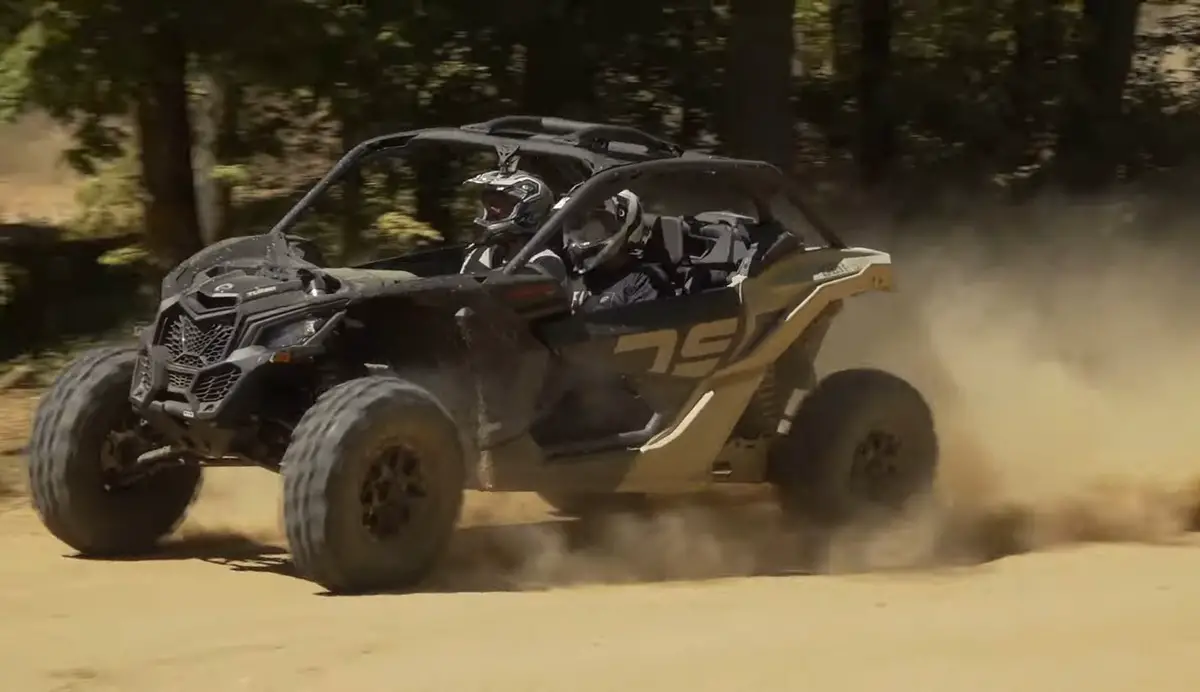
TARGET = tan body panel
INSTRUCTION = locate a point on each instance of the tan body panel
(680, 459)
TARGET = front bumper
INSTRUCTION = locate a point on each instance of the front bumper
(205, 394)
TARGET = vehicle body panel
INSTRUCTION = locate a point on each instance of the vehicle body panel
(680, 458)
(497, 348)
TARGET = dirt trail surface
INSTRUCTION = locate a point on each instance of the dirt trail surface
(216, 615)
(1060, 555)
(35, 184)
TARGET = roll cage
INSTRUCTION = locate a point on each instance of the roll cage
(611, 156)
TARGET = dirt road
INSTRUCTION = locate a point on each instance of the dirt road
(219, 612)
(1062, 557)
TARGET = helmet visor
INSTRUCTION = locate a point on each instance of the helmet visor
(590, 232)
(497, 205)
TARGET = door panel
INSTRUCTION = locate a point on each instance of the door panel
(681, 337)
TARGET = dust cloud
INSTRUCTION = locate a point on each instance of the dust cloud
(1061, 369)
(1062, 374)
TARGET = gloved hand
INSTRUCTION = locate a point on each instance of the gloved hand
(579, 297)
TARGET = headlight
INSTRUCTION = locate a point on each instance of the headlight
(292, 333)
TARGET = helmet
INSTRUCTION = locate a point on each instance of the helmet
(510, 203)
(610, 230)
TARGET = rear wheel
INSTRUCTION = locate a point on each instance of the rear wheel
(85, 438)
(373, 485)
(862, 444)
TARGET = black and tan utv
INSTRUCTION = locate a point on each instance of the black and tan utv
(384, 391)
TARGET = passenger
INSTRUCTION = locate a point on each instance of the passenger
(605, 249)
(512, 206)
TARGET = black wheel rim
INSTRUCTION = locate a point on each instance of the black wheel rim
(393, 492)
(119, 450)
(877, 468)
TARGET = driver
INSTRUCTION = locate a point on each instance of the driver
(512, 205)
(605, 249)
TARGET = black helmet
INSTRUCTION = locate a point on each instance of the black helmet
(512, 203)
(605, 232)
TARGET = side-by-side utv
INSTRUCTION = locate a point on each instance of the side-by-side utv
(382, 392)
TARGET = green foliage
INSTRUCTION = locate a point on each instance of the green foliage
(978, 94)
(399, 230)
(233, 175)
(124, 256)
(16, 56)
(110, 202)
(817, 41)
(655, 65)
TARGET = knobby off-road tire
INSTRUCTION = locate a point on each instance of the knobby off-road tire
(363, 439)
(85, 405)
(823, 468)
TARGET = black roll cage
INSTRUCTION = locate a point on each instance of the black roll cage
(612, 155)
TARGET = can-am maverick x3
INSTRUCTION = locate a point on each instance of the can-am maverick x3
(382, 392)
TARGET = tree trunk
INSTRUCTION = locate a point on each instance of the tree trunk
(559, 73)
(877, 127)
(1089, 144)
(229, 149)
(205, 118)
(165, 146)
(1023, 77)
(692, 77)
(759, 121)
(218, 143)
(1034, 71)
(841, 37)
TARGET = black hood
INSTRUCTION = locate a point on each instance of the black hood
(275, 258)
(244, 291)
(243, 287)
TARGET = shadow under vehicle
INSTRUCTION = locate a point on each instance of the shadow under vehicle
(381, 392)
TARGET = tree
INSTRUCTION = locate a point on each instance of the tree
(164, 141)
(1091, 141)
(759, 119)
(136, 67)
(877, 126)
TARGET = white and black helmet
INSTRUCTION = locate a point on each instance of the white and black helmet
(510, 203)
(613, 228)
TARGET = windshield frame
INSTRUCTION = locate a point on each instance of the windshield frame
(607, 175)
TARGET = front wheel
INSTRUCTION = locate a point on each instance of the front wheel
(863, 444)
(85, 434)
(372, 485)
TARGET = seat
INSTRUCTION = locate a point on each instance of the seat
(664, 247)
(727, 247)
(665, 244)
(721, 251)
(724, 249)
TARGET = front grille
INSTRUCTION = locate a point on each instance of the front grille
(197, 344)
(178, 381)
(213, 385)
